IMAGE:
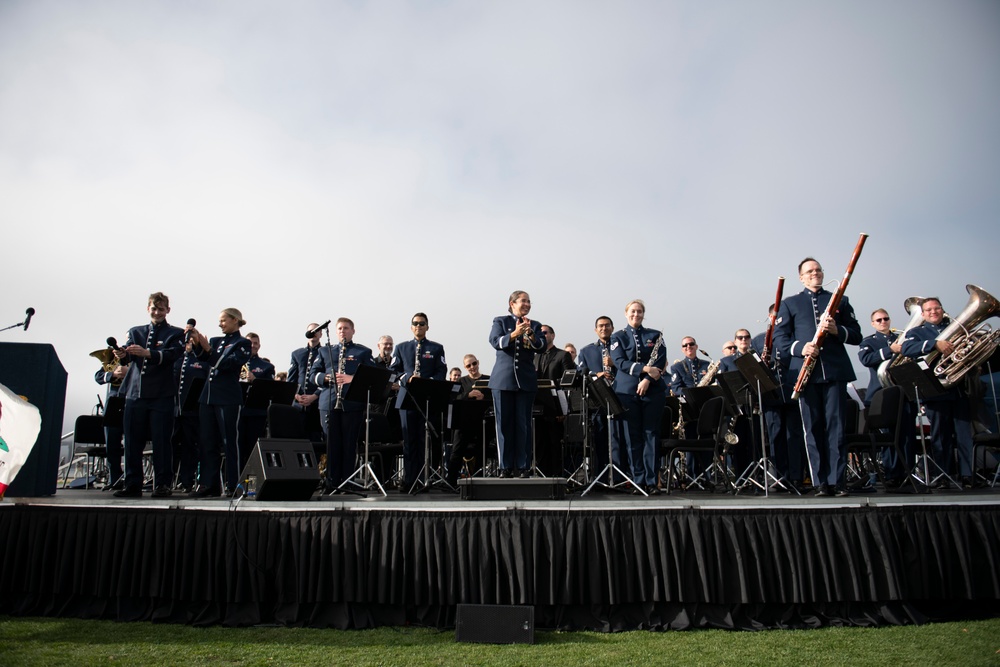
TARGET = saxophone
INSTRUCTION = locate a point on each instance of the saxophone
(713, 369)
(339, 405)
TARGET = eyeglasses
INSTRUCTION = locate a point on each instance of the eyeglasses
(689, 344)
(546, 332)
(418, 324)
(881, 319)
(729, 347)
(743, 338)
(472, 364)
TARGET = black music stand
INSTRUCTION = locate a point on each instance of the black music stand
(428, 397)
(469, 415)
(368, 381)
(483, 385)
(262, 393)
(758, 376)
(547, 402)
(605, 397)
(919, 383)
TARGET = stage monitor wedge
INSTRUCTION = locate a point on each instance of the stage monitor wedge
(281, 469)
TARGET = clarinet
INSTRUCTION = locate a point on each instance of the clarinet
(339, 405)
(416, 360)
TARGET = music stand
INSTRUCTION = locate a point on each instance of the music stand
(604, 395)
(469, 415)
(367, 381)
(920, 383)
(262, 393)
(548, 402)
(428, 397)
(483, 385)
(759, 376)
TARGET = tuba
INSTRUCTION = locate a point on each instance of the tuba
(973, 343)
(913, 307)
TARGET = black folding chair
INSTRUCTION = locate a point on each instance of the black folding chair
(710, 439)
(88, 441)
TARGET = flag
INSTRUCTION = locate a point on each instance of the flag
(20, 423)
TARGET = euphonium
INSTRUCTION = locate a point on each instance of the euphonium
(107, 359)
(913, 307)
(973, 343)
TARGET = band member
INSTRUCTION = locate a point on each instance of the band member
(782, 417)
(467, 441)
(424, 358)
(821, 401)
(384, 357)
(882, 346)
(307, 393)
(550, 364)
(341, 419)
(253, 421)
(949, 413)
(595, 360)
(728, 348)
(514, 382)
(743, 346)
(571, 351)
(113, 435)
(455, 374)
(220, 401)
(690, 370)
(640, 356)
(149, 397)
(187, 428)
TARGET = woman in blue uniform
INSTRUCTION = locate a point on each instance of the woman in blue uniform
(220, 401)
(640, 357)
(514, 382)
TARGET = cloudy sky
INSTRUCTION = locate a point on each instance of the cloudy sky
(309, 160)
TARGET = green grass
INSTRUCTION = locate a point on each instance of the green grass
(47, 642)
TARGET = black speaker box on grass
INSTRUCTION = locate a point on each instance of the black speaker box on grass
(495, 624)
(281, 470)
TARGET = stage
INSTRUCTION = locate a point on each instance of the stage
(604, 562)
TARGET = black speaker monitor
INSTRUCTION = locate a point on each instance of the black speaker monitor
(281, 469)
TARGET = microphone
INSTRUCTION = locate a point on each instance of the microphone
(313, 332)
(112, 343)
(27, 320)
(187, 335)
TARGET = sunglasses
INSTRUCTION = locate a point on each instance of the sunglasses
(729, 347)
(881, 319)
(689, 344)
(743, 338)
(418, 324)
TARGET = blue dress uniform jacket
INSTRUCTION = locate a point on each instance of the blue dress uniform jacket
(298, 371)
(153, 377)
(515, 362)
(873, 351)
(629, 365)
(591, 358)
(687, 373)
(796, 326)
(432, 362)
(728, 364)
(355, 356)
(188, 368)
(262, 369)
(226, 356)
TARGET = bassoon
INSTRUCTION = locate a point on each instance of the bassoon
(831, 309)
(772, 317)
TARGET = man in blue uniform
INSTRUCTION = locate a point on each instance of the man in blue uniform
(595, 359)
(253, 421)
(307, 393)
(149, 397)
(640, 356)
(690, 370)
(113, 434)
(417, 358)
(949, 414)
(186, 425)
(341, 419)
(821, 401)
(744, 345)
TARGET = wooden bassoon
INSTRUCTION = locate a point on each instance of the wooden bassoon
(765, 354)
(831, 308)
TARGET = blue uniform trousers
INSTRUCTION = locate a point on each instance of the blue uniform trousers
(642, 419)
(513, 414)
(950, 425)
(822, 408)
(218, 425)
(343, 428)
(186, 436)
(152, 419)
